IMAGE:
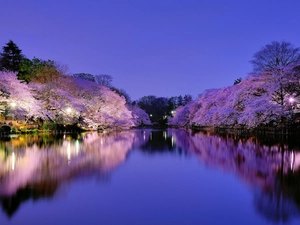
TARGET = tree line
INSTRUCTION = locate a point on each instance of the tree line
(43, 71)
(268, 96)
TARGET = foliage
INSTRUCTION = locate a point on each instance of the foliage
(140, 117)
(277, 63)
(11, 57)
(122, 93)
(17, 98)
(38, 70)
(268, 97)
(159, 108)
(67, 100)
(49, 126)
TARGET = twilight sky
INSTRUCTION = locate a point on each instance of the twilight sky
(151, 47)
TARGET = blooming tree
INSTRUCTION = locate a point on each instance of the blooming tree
(17, 97)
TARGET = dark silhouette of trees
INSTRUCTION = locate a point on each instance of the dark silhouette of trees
(160, 108)
(237, 81)
(86, 76)
(11, 57)
(104, 79)
(274, 56)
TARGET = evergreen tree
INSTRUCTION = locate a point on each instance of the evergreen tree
(11, 57)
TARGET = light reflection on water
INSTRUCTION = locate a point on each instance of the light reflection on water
(158, 163)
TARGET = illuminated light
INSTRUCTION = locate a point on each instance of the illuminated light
(77, 146)
(291, 99)
(69, 110)
(165, 135)
(292, 161)
(69, 152)
(13, 104)
(150, 115)
(64, 136)
(13, 161)
(172, 112)
(172, 141)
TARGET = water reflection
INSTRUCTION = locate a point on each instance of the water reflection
(33, 167)
(270, 167)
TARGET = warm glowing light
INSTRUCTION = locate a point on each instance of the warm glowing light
(69, 110)
(13, 104)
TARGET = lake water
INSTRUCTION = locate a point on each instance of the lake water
(149, 176)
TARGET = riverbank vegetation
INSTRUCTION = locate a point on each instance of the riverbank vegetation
(41, 92)
(267, 97)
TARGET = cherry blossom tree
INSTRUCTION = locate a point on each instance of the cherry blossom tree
(17, 97)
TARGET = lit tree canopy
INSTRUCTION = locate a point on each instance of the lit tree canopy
(267, 97)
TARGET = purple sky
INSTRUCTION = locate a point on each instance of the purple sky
(151, 47)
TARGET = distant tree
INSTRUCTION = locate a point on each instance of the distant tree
(39, 71)
(156, 107)
(274, 56)
(11, 57)
(237, 81)
(86, 76)
(104, 79)
(277, 63)
(26, 70)
(187, 99)
(172, 105)
(180, 100)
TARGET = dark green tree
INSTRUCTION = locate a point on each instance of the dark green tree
(38, 70)
(26, 70)
(11, 57)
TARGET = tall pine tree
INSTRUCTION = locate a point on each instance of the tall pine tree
(11, 57)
